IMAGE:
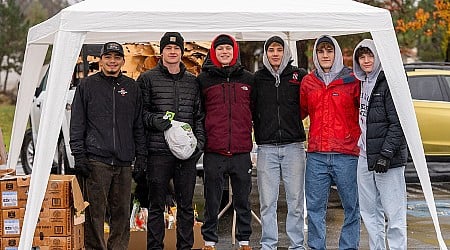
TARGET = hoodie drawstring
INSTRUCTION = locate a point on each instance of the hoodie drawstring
(277, 80)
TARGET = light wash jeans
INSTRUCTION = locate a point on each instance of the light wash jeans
(383, 194)
(321, 171)
(288, 162)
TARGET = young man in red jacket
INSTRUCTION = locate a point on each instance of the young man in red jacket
(226, 89)
(330, 96)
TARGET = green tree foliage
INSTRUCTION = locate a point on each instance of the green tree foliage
(51, 7)
(35, 12)
(13, 32)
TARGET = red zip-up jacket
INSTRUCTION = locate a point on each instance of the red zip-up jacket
(333, 112)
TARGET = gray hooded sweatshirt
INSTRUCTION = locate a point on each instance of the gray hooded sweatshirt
(338, 63)
(287, 56)
(368, 83)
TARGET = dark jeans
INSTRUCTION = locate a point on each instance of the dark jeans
(162, 168)
(107, 188)
(238, 167)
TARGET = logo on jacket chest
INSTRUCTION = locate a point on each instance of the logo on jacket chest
(294, 78)
(122, 92)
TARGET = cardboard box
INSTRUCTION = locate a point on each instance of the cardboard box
(14, 191)
(170, 239)
(51, 222)
(10, 243)
(60, 224)
(58, 194)
(55, 222)
(8, 187)
(13, 213)
(23, 185)
(63, 191)
(75, 241)
(12, 221)
(12, 227)
(138, 239)
(6, 172)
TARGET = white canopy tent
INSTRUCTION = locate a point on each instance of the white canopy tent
(99, 21)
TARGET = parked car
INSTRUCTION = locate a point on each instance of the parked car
(63, 160)
(429, 85)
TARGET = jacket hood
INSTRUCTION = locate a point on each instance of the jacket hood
(287, 58)
(211, 59)
(338, 63)
(359, 73)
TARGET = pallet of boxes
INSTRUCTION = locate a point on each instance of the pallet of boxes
(60, 223)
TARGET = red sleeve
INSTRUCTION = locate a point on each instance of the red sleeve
(303, 99)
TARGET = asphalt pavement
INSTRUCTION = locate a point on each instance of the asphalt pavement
(421, 233)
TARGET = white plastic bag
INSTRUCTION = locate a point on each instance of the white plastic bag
(181, 139)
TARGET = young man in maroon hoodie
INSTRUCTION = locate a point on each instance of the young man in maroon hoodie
(226, 89)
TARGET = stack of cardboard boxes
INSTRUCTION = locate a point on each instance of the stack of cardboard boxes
(60, 222)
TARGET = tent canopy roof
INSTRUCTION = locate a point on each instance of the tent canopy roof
(139, 21)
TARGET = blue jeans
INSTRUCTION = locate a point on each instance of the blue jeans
(287, 161)
(321, 171)
(383, 194)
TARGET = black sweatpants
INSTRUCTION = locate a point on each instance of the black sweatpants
(162, 168)
(238, 167)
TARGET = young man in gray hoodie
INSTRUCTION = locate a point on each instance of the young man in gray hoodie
(383, 154)
(279, 134)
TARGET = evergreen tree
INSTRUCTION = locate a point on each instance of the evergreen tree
(36, 13)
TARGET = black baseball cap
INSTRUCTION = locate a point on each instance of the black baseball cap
(112, 47)
(325, 39)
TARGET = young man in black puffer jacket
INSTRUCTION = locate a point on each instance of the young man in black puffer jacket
(383, 154)
(170, 87)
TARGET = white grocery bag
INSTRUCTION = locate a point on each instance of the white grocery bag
(181, 139)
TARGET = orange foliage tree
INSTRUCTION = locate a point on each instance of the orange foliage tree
(430, 26)
(442, 17)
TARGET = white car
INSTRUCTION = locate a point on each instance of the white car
(63, 160)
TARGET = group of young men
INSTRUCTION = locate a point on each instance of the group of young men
(355, 142)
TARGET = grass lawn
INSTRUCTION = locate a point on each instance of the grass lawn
(6, 122)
